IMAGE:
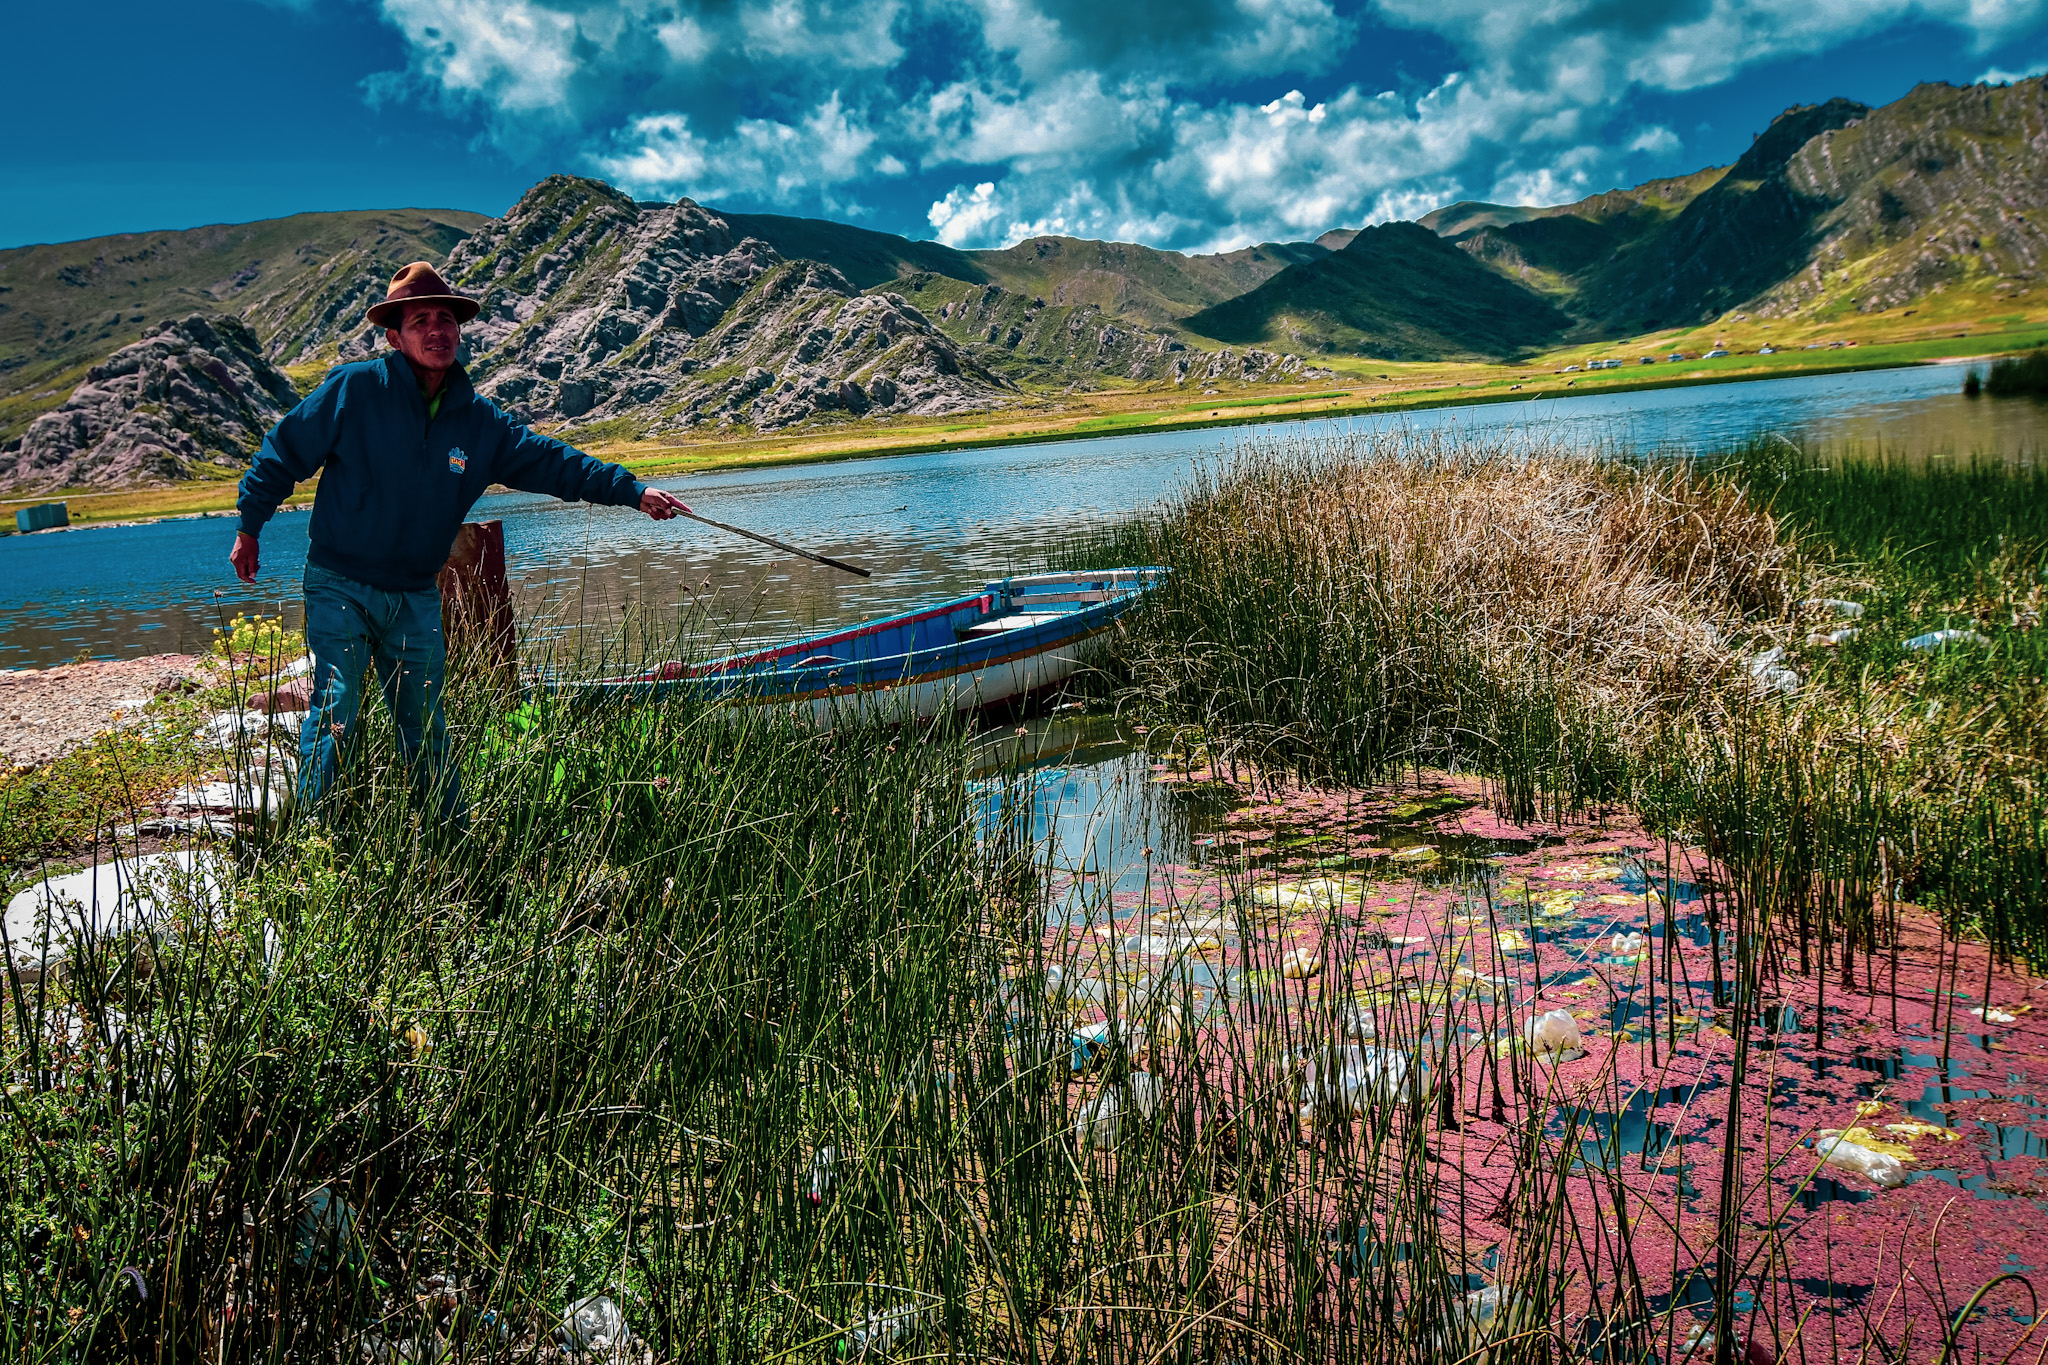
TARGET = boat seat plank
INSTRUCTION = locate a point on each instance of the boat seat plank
(1038, 598)
(997, 625)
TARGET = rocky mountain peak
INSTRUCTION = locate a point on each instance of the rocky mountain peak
(191, 392)
(596, 307)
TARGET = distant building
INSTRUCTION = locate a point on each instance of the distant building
(41, 517)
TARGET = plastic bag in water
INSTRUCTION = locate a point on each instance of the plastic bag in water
(1097, 1125)
(1880, 1168)
(1553, 1031)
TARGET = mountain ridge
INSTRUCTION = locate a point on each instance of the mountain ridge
(649, 318)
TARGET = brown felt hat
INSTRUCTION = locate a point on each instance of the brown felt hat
(420, 283)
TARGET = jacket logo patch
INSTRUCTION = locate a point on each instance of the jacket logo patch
(457, 461)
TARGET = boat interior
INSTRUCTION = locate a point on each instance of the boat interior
(1011, 604)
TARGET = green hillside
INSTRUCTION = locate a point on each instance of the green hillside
(1140, 284)
(64, 306)
(866, 257)
(1739, 236)
(1398, 291)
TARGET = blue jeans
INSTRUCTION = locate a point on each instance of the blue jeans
(349, 625)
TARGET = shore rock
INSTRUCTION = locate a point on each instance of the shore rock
(188, 394)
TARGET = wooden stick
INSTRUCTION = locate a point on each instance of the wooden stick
(773, 543)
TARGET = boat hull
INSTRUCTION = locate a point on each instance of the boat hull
(1017, 636)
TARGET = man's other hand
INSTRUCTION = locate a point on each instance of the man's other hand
(661, 504)
(243, 556)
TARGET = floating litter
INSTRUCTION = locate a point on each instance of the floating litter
(1879, 1168)
(1553, 1031)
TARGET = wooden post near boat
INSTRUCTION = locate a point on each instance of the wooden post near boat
(476, 598)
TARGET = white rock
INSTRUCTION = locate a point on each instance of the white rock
(1300, 963)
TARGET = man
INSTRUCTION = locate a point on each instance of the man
(408, 447)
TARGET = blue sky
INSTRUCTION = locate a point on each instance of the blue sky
(1194, 124)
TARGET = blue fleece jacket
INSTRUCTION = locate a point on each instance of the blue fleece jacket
(398, 484)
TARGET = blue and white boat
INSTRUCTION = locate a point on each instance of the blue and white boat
(1016, 636)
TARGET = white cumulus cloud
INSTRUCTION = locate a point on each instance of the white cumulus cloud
(1191, 123)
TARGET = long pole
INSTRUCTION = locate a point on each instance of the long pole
(772, 542)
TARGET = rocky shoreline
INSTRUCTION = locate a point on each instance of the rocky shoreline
(46, 711)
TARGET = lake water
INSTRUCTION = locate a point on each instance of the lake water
(926, 525)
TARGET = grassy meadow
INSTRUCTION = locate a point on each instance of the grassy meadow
(799, 1046)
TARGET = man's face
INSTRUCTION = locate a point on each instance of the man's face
(427, 335)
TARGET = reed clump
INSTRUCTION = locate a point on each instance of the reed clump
(1348, 608)
(750, 1029)
(2020, 375)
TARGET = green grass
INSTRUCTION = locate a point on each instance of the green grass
(598, 1044)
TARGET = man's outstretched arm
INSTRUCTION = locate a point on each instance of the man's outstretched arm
(291, 452)
(533, 463)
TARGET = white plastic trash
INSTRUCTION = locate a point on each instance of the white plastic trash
(1630, 945)
(325, 1235)
(1096, 1126)
(1350, 1080)
(1880, 1168)
(877, 1332)
(45, 920)
(824, 1173)
(1145, 1094)
(1360, 1024)
(1300, 963)
(592, 1324)
(1991, 1014)
(1942, 639)
(1836, 606)
(1553, 1031)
